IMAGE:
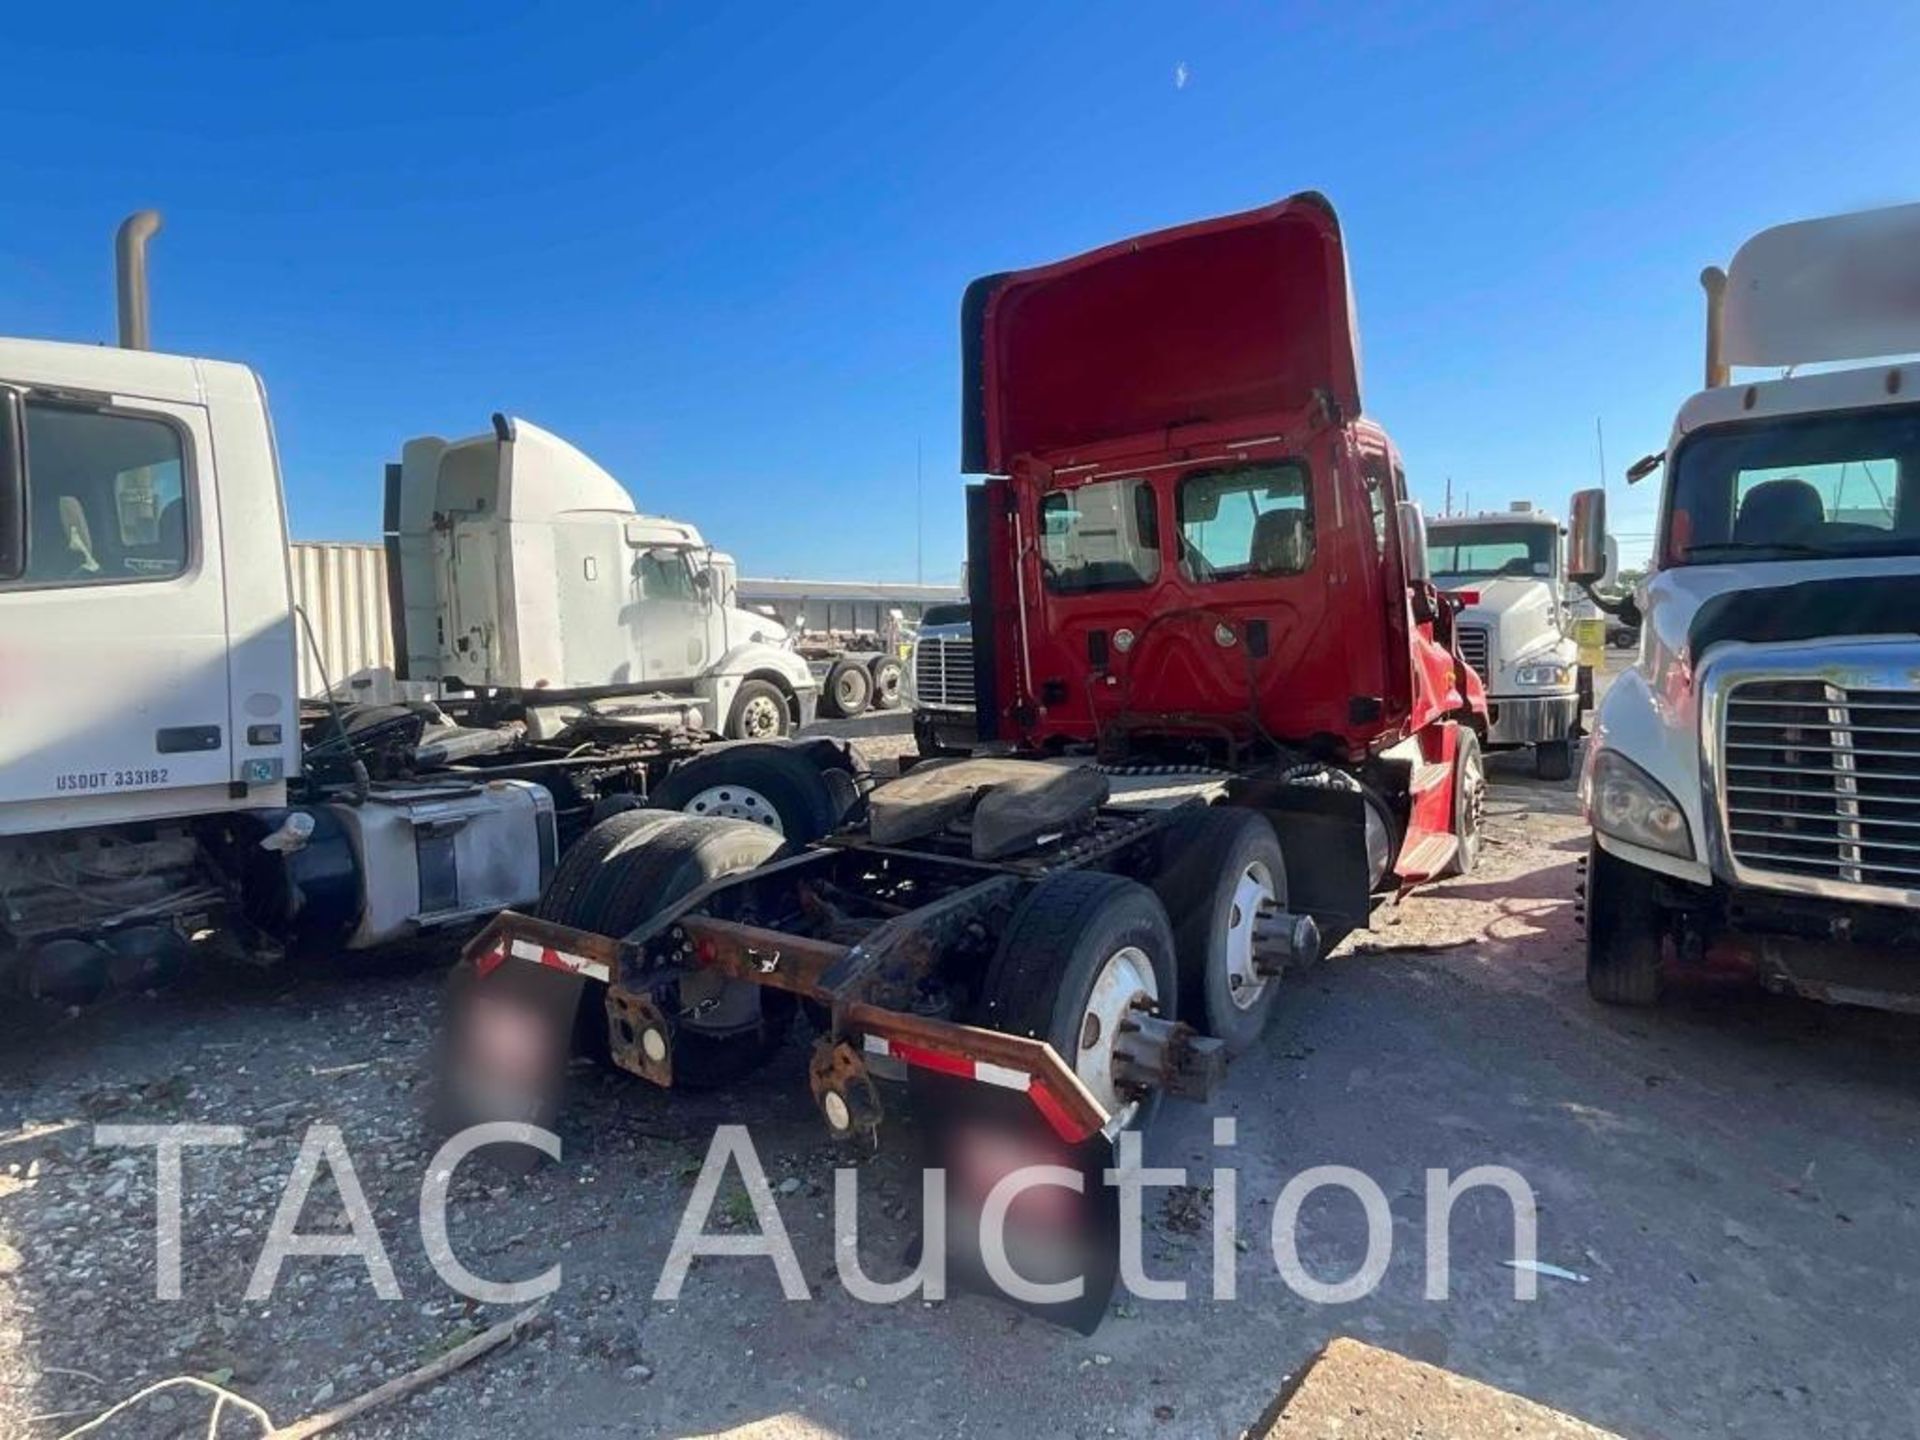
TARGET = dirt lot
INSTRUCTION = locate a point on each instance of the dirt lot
(1733, 1177)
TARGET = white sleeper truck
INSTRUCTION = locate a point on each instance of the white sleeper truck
(163, 790)
(1515, 627)
(1753, 782)
(521, 565)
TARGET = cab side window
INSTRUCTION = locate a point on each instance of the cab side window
(663, 574)
(106, 498)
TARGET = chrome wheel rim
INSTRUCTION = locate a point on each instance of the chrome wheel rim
(760, 718)
(736, 802)
(1252, 892)
(1124, 985)
(1475, 785)
(886, 685)
(851, 688)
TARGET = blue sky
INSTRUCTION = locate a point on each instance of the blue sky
(722, 248)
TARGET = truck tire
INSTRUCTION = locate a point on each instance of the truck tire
(745, 1023)
(1624, 931)
(759, 712)
(1469, 803)
(582, 863)
(1217, 866)
(887, 678)
(1078, 950)
(849, 688)
(1553, 760)
(778, 787)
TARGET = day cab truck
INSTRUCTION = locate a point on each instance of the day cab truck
(1219, 709)
(1753, 782)
(164, 792)
(1505, 571)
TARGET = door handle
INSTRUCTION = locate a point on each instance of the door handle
(186, 739)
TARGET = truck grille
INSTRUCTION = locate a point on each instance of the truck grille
(943, 672)
(1473, 648)
(1824, 781)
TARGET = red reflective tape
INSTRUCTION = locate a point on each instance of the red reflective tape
(1064, 1124)
(934, 1060)
(492, 960)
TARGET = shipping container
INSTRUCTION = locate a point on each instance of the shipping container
(346, 641)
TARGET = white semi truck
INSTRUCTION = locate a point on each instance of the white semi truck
(1753, 782)
(520, 565)
(162, 787)
(1515, 627)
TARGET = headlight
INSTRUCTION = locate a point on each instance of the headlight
(1544, 676)
(1627, 803)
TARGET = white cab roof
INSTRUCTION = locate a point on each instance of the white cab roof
(109, 370)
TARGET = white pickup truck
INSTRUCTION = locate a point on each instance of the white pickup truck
(1753, 782)
(1515, 627)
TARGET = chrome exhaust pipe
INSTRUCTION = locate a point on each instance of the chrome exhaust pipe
(1714, 281)
(130, 274)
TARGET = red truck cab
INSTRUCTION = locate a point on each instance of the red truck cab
(1192, 546)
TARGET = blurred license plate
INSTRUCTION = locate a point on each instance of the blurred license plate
(509, 1041)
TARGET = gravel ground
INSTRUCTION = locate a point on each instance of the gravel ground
(1732, 1176)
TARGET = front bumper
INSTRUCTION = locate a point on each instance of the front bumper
(1530, 719)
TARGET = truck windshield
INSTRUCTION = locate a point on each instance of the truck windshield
(1458, 553)
(1820, 485)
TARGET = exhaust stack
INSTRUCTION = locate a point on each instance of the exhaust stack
(1713, 280)
(130, 274)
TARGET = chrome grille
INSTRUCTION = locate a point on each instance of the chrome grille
(943, 672)
(1824, 781)
(1473, 648)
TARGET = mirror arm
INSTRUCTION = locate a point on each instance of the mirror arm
(1622, 609)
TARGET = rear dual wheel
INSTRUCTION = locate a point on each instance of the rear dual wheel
(887, 678)
(1219, 869)
(849, 688)
(1083, 954)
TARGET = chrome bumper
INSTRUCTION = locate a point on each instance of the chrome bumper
(1527, 720)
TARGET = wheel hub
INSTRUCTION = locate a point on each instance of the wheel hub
(760, 718)
(1252, 893)
(736, 802)
(1125, 984)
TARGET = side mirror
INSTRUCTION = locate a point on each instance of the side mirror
(13, 487)
(1587, 548)
(1644, 466)
(703, 579)
(1413, 542)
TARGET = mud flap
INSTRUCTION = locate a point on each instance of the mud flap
(509, 1037)
(1053, 1239)
(1323, 834)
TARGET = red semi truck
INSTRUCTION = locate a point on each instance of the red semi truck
(1221, 712)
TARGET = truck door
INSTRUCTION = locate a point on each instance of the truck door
(670, 615)
(114, 682)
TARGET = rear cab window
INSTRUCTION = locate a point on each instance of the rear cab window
(1246, 520)
(1100, 536)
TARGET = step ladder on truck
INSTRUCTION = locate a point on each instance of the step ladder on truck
(1221, 713)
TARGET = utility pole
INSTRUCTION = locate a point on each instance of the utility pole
(1449, 507)
(1600, 440)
